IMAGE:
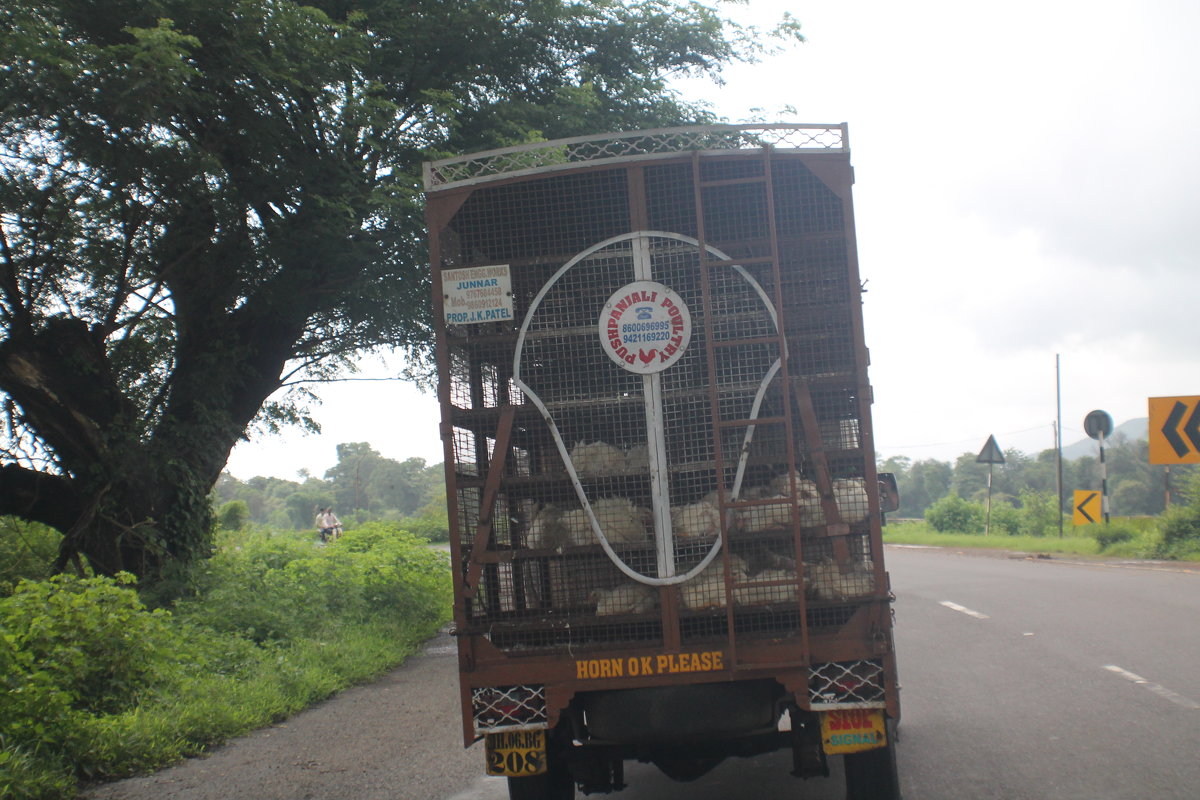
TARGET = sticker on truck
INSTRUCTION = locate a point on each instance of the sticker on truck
(852, 730)
(641, 666)
(516, 753)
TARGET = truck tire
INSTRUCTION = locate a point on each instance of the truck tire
(555, 784)
(873, 775)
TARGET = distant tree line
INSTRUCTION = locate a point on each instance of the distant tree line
(1135, 486)
(363, 486)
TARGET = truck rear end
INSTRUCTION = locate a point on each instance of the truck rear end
(665, 514)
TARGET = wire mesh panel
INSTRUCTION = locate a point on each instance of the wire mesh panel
(677, 341)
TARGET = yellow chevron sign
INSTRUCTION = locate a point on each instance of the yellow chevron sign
(1088, 508)
(1175, 430)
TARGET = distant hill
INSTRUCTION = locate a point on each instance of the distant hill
(1132, 430)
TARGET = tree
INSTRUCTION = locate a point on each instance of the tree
(952, 514)
(351, 476)
(926, 482)
(200, 201)
(233, 515)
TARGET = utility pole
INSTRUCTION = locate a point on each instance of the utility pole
(1058, 440)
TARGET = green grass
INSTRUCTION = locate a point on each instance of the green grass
(1144, 540)
(95, 686)
(921, 534)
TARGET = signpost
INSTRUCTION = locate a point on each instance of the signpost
(990, 455)
(1098, 424)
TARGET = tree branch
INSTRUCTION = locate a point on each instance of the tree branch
(38, 496)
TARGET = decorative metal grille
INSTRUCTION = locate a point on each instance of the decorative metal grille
(498, 708)
(846, 684)
(530, 158)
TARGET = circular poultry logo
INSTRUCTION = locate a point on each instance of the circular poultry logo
(645, 327)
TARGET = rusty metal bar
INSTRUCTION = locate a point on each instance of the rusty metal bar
(487, 501)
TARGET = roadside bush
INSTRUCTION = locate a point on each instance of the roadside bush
(229, 591)
(1180, 532)
(27, 549)
(952, 514)
(73, 650)
(233, 515)
(431, 525)
(1040, 514)
(95, 685)
(90, 637)
(1114, 533)
(1006, 520)
(1179, 526)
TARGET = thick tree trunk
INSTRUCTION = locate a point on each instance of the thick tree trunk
(127, 498)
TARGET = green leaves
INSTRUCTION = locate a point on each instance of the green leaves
(218, 198)
(91, 638)
(94, 684)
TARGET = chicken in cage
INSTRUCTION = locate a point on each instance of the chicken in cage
(625, 598)
(707, 590)
(776, 586)
(829, 581)
(699, 520)
(620, 521)
(594, 459)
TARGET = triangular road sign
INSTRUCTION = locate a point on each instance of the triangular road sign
(990, 454)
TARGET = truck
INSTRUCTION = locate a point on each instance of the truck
(664, 508)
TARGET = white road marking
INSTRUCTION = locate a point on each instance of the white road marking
(1158, 689)
(964, 610)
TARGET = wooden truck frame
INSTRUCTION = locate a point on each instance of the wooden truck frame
(664, 508)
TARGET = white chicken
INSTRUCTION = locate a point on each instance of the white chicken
(765, 595)
(851, 497)
(807, 496)
(637, 458)
(625, 598)
(547, 530)
(825, 580)
(621, 521)
(595, 459)
(701, 520)
(753, 519)
(850, 494)
(707, 590)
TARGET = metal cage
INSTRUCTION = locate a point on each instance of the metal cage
(654, 392)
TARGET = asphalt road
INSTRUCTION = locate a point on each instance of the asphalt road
(1023, 678)
(1043, 679)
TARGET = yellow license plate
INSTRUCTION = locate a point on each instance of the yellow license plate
(852, 730)
(516, 753)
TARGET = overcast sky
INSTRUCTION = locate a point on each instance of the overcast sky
(1026, 186)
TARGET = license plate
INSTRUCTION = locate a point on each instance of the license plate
(516, 754)
(852, 730)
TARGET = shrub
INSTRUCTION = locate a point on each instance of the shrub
(1113, 533)
(1040, 514)
(91, 638)
(1180, 532)
(27, 549)
(93, 684)
(433, 525)
(233, 515)
(1179, 526)
(1006, 520)
(952, 514)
